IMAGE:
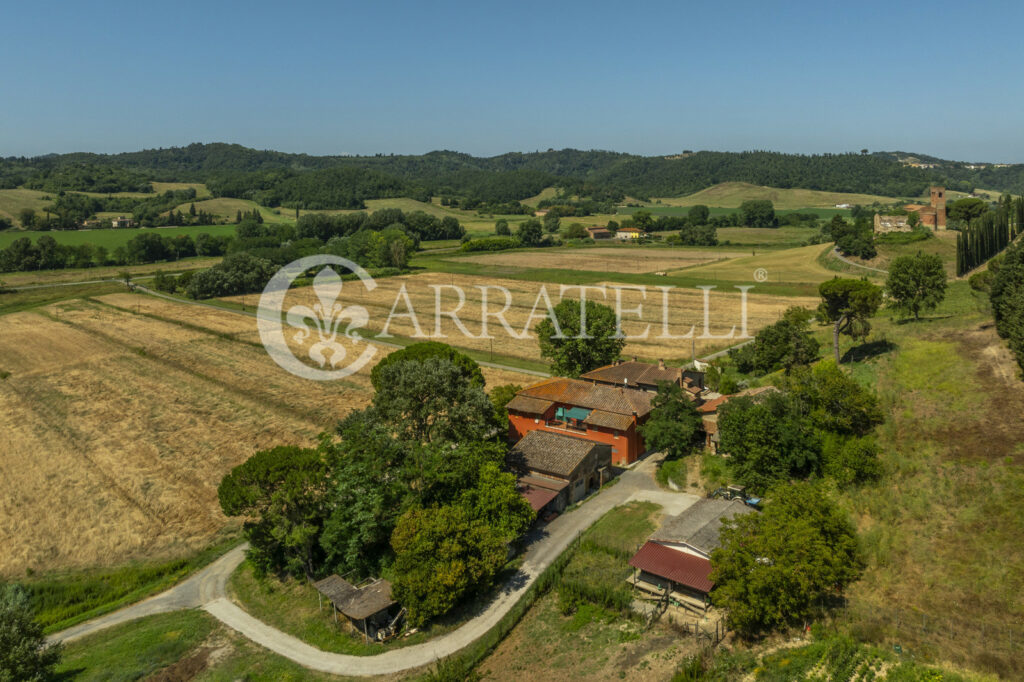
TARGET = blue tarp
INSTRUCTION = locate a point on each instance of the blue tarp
(566, 413)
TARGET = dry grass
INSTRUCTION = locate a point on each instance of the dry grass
(685, 308)
(603, 259)
(799, 266)
(201, 191)
(117, 427)
(13, 200)
(21, 279)
(732, 194)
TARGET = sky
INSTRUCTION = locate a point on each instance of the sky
(485, 78)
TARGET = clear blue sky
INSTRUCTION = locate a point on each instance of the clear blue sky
(487, 77)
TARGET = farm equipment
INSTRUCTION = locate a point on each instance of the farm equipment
(736, 492)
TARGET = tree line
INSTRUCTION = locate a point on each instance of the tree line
(989, 233)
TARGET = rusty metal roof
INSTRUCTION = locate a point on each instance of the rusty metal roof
(679, 567)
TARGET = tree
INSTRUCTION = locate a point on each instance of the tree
(834, 400)
(530, 232)
(575, 231)
(776, 568)
(967, 209)
(782, 345)
(916, 283)
(282, 491)
(501, 227)
(551, 223)
(442, 554)
(469, 369)
(913, 220)
(642, 219)
(758, 213)
(848, 304)
(575, 345)
(768, 441)
(496, 501)
(24, 652)
(674, 424)
(699, 214)
(432, 400)
(500, 397)
(27, 218)
(1007, 298)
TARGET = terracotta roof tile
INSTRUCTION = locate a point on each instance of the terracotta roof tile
(591, 396)
(553, 453)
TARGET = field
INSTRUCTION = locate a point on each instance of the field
(685, 309)
(226, 208)
(201, 191)
(607, 259)
(790, 265)
(120, 415)
(67, 275)
(764, 237)
(942, 244)
(13, 200)
(109, 238)
(732, 194)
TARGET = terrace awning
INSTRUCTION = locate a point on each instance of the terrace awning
(566, 413)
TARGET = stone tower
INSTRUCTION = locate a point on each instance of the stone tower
(939, 204)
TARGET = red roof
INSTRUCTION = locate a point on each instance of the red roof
(712, 405)
(537, 497)
(679, 567)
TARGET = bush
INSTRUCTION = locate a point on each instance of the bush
(491, 244)
(981, 281)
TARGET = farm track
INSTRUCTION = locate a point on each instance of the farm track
(207, 589)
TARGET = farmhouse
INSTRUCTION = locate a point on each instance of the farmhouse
(628, 233)
(646, 377)
(933, 215)
(561, 469)
(122, 223)
(597, 232)
(584, 410)
(677, 558)
(370, 608)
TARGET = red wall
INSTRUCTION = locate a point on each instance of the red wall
(626, 448)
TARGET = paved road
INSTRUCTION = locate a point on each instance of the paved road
(835, 252)
(208, 589)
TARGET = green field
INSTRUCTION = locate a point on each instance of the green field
(732, 194)
(111, 239)
(793, 266)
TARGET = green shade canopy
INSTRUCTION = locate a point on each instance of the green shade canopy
(566, 413)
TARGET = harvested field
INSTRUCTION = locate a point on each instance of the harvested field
(799, 265)
(22, 279)
(604, 259)
(684, 310)
(117, 426)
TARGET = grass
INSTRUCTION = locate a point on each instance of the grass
(110, 238)
(227, 208)
(764, 237)
(183, 645)
(61, 601)
(732, 194)
(201, 190)
(18, 301)
(291, 606)
(13, 200)
(795, 267)
(137, 649)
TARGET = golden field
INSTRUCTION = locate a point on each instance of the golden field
(685, 309)
(603, 259)
(119, 417)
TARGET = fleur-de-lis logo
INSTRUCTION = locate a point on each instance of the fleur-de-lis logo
(323, 323)
(327, 315)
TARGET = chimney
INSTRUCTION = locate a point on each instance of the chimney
(661, 364)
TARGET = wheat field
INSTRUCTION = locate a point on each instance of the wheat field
(118, 418)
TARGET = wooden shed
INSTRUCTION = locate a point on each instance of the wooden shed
(369, 608)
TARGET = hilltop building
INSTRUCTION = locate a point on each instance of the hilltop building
(933, 215)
